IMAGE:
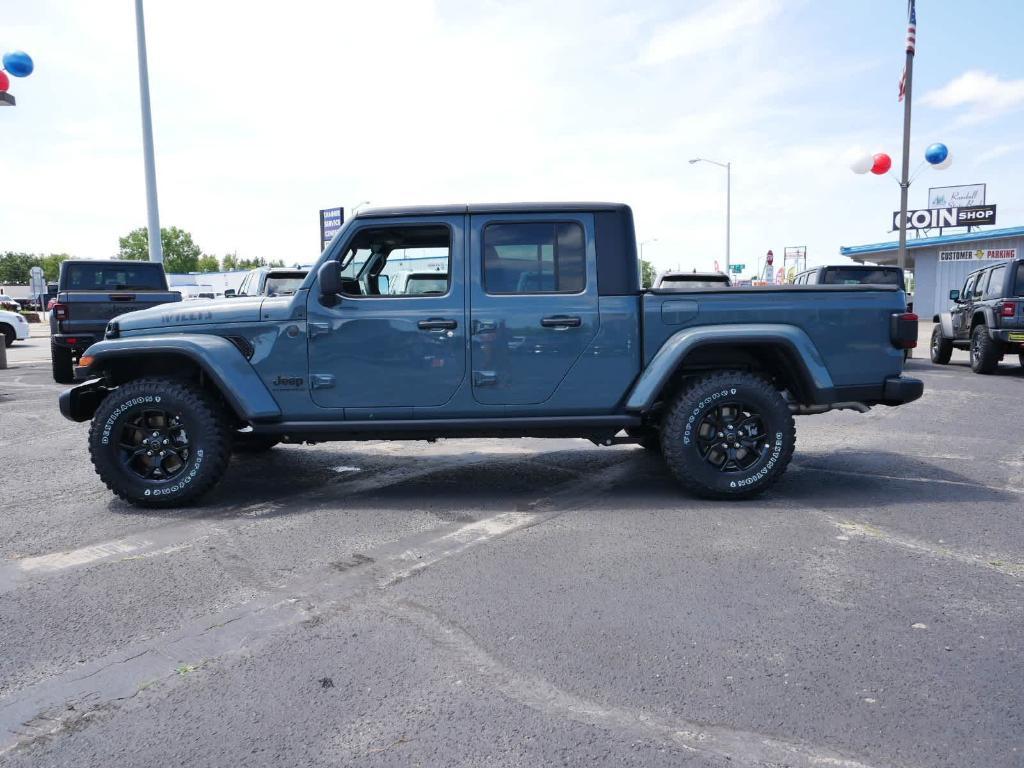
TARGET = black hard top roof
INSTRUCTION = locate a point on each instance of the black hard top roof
(106, 261)
(456, 210)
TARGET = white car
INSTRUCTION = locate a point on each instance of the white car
(13, 326)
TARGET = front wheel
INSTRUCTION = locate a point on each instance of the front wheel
(159, 442)
(9, 335)
(728, 435)
(941, 347)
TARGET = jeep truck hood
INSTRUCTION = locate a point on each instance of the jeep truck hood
(241, 310)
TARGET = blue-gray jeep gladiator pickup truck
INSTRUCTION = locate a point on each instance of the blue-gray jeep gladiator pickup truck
(538, 329)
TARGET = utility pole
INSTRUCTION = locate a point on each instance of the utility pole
(156, 251)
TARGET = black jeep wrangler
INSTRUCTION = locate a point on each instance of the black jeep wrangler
(987, 318)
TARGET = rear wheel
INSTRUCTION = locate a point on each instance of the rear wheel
(159, 442)
(62, 361)
(728, 435)
(9, 335)
(984, 353)
(941, 347)
(1020, 357)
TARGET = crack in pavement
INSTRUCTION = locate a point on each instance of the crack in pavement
(733, 745)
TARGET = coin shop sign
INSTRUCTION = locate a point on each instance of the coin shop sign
(930, 218)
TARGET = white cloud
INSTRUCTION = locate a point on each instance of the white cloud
(714, 27)
(985, 95)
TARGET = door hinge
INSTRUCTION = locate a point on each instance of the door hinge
(484, 378)
(315, 329)
(321, 381)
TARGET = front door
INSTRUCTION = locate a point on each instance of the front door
(395, 338)
(961, 311)
(533, 303)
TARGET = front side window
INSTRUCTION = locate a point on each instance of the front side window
(534, 257)
(380, 260)
(995, 284)
(968, 287)
(979, 286)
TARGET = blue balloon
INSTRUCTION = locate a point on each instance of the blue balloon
(936, 153)
(18, 63)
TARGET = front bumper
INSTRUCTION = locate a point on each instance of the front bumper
(21, 330)
(79, 403)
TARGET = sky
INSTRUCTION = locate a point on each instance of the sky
(266, 112)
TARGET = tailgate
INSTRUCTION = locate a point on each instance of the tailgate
(88, 312)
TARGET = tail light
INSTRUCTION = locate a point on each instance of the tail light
(1009, 309)
(903, 330)
(61, 311)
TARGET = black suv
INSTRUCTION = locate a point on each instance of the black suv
(987, 318)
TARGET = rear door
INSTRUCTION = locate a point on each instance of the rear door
(961, 311)
(533, 303)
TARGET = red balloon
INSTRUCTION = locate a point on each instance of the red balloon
(882, 164)
(5, 82)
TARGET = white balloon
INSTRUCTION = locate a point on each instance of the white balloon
(945, 163)
(863, 164)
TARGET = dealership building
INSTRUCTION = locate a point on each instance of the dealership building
(941, 263)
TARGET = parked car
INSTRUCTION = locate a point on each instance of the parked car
(855, 274)
(691, 281)
(270, 281)
(417, 283)
(987, 318)
(89, 295)
(9, 303)
(13, 327)
(542, 331)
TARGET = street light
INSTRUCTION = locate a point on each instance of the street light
(728, 201)
(156, 252)
(645, 242)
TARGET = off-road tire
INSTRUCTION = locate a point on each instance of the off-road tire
(699, 400)
(9, 335)
(201, 419)
(1020, 357)
(245, 442)
(941, 348)
(984, 352)
(649, 439)
(62, 361)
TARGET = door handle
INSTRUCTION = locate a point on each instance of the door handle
(437, 324)
(560, 321)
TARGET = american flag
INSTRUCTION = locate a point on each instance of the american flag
(911, 44)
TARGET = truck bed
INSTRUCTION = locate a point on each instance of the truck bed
(849, 325)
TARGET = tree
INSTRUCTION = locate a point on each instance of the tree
(51, 265)
(230, 262)
(646, 274)
(208, 263)
(181, 254)
(14, 267)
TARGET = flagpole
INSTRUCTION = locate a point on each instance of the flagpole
(901, 257)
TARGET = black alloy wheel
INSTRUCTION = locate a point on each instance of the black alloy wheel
(731, 437)
(154, 444)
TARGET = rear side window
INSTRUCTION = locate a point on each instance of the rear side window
(534, 257)
(861, 276)
(979, 285)
(995, 284)
(1019, 281)
(129, 276)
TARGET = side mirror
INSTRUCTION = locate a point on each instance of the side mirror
(954, 295)
(229, 293)
(329, 276)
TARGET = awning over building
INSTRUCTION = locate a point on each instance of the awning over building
(885, 253)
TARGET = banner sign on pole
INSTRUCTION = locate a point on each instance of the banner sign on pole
(963, 196)
(331, 220)
(931, 218)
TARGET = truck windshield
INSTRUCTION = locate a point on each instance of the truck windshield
(861, 276)
(114, 277)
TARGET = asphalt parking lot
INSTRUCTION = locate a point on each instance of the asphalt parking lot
(523, 602)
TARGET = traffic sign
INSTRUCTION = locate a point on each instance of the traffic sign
(737, 268)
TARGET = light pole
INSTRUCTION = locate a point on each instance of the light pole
(645, 242)
(728, 202)
(156, 251)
